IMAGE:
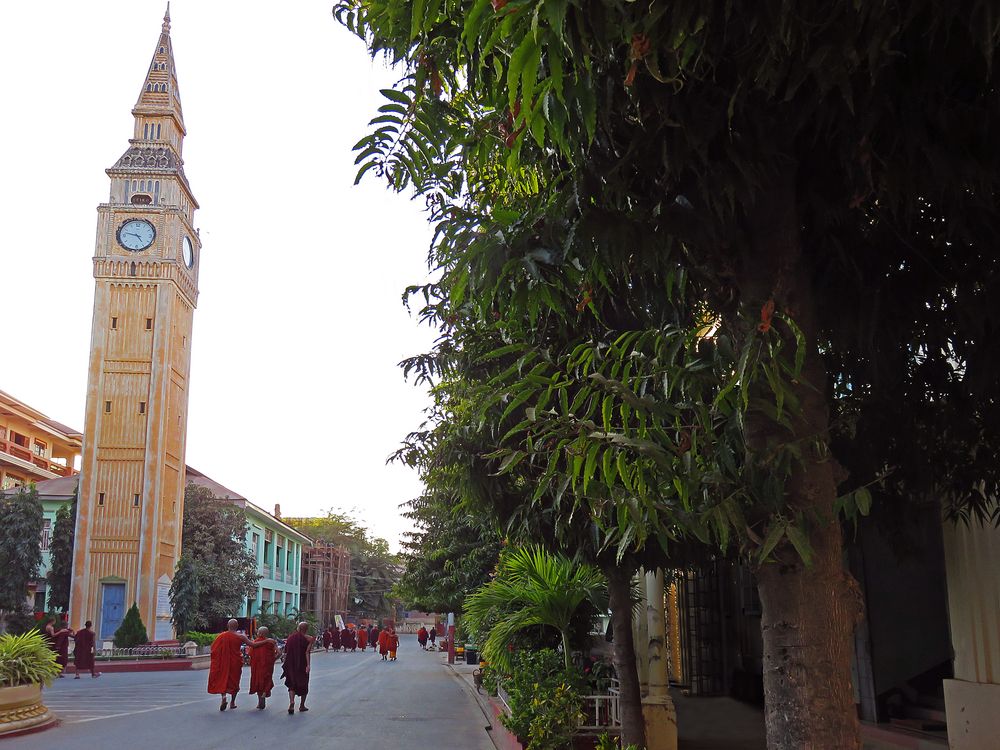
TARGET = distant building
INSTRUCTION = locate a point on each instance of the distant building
(326, 581)
(33, 447)
(277, 547)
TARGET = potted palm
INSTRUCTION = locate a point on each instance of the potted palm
(26, 663)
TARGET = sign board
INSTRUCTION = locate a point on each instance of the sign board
(163, 598)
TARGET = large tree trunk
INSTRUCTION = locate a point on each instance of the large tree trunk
(630, 699)
(808, 612)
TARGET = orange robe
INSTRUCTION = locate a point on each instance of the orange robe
(226, 665)
(393, 645)
(262, 661)
(383, 642)
(362, 639)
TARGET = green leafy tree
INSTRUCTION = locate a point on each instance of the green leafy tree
(185, 594)
(131, 632)
(374, 568)
(219, 572)
(533, 587)
(21, 520)
(60, 575)
(764, 179)
(449, 555)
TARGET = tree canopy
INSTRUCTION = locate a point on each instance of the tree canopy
(21, 519)
(374, 567)
(216, 573)
(726, 271)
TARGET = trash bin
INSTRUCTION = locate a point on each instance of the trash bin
(471, 655)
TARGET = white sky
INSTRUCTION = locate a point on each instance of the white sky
(295, 394)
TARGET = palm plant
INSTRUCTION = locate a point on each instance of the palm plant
(532, 587)
(26, 659)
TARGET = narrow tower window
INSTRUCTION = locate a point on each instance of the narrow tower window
(114, 323)
(149, 324)
(158, 136)
(107, 407)
(142, 407)
(100, 498)
(135, 500)
(149, 87)
(145, 131)
(131, 270)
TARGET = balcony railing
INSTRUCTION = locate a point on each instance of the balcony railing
(18, 451)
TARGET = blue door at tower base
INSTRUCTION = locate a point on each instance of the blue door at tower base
(112, 608)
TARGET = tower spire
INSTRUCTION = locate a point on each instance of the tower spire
(160, 94)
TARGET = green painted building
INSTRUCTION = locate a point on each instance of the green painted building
(277, 547)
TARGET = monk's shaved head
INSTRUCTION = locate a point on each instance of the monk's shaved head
(232, 624)
(303, 626)
(262, 631)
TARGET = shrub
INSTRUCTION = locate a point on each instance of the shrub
(534, 673)
(200, 639)
(607, 742)
(556, 716)
(26, 659)
(131, 632)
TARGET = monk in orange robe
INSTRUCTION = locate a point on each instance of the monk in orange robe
(362, 639)
(262, 661)
(83, 650)
(393, 645)
(58, 641)
(226, 665)
(383, 644)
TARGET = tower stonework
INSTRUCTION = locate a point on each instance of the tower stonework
(131, 494)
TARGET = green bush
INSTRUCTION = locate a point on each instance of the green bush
(607, 742)
(200, 639)
(534, 673)
(131, 632)
(26, 659)
(556, 715)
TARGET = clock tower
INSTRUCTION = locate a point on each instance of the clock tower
(131, 495)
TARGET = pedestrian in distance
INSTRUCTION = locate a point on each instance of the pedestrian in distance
(58, 639)
(362, 639)
(422, 637)
(83, 650)
(373, 636)
(348, 640)
(335, 638)
(432, 635)
(295, 671)
(327, 639)
(226, 664)
(383, 644)
(262, 661)
(393, 644)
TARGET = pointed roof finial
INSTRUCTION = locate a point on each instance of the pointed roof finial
(166, 19)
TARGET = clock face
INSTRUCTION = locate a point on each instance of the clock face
(187, 252)
(136, 235)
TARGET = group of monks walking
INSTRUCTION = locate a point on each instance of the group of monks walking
(226, 666)
(384, 642)
(83, 648)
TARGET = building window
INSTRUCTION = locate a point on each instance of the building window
(114, 323)
(142, 407)
(39, 448)
(149, 324)
(107, 407)
(18, 439)
(135, 500)
(46, 534)
(149, 87)
(157, 136)
(145, 131)
(100, 498)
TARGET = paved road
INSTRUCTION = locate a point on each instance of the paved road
(355, 700)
